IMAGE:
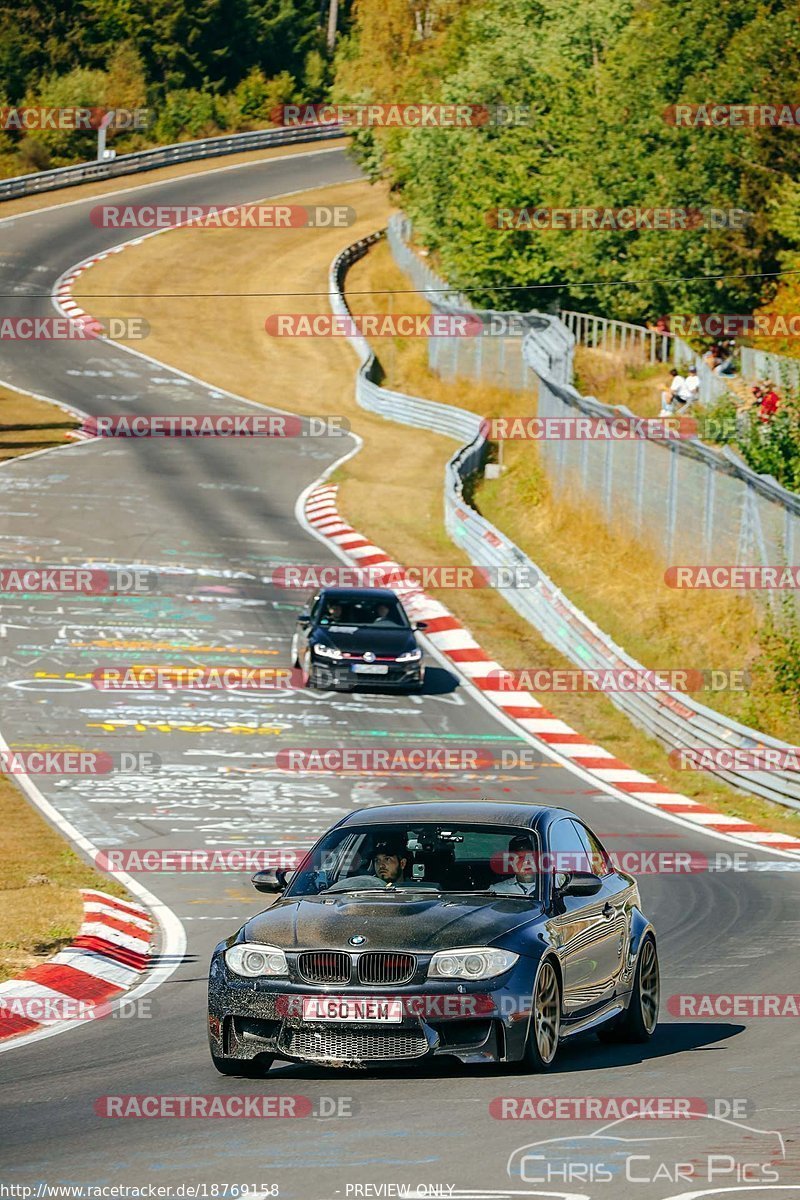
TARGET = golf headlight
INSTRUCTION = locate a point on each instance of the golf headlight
(253, 961)
(470, 964)
(326, 651)
(410, 656)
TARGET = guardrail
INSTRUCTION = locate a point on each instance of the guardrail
(161, 156)
(760, 364)
(676, 720)
(651, 345)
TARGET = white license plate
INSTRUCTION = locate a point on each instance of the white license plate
(361, 1009)
(370, 668)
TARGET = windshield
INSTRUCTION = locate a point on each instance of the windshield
(439, 858)
(362, 612)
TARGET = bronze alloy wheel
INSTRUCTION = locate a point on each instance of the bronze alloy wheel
(649, 985)
(547, 1013)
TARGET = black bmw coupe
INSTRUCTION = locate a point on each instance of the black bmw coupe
(485, 931)
(354, 636)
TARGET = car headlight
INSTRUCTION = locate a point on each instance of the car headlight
(326, 651)
(252, 961)
(482, 963)
(410, 656)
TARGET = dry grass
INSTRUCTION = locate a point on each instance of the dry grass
(40, 906)
(393, 490)
(28, 424)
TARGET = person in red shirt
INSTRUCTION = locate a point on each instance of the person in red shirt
(770, 402)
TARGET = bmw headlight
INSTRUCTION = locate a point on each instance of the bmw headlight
(481, 963)
(410, 656)
(253, 961)
(326, 651)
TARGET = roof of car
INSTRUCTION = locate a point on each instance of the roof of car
(358, 593)
(477, 812)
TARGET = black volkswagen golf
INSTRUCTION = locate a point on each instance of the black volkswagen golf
(354, 636)
(485, 931)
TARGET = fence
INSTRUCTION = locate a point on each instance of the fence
(161, 156)
(759, 364)
(688, 501)
(676, 720)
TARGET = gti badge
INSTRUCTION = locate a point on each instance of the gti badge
(369, 656)
(357, 940)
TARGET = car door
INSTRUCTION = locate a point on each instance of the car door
(615, 896)
(303, 632)
(579, 925)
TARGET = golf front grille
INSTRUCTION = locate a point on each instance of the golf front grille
(324, 966)
(381, 968)
(348, 1046)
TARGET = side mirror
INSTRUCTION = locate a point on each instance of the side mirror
(269, 881)
(304, 620)
(421, 625)
(581, 883)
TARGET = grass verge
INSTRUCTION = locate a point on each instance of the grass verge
(28, 424)
(40, 905)
(392, 491)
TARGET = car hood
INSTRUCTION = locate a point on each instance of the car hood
(417, 924)
(379, 639)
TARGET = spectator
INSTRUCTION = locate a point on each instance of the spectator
(691, 387)
(676, 392)
(770, 403)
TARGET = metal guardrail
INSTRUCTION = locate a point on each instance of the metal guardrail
(621, 337)
(760, 364)
(676, 720)
(161, 156)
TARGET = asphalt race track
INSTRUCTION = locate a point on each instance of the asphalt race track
(211, 516)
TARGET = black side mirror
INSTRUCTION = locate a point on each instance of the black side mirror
(581, 883)
(304, 620)
(421, 625)
(269, 881)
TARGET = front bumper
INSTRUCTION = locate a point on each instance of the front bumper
(248, 1018)
(341, 676)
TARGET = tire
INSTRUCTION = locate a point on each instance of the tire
(638, 1023)
(545, 1023)
(246, 1068)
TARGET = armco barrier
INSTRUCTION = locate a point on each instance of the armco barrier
(676, 720)
(685, 498)
(161, 156)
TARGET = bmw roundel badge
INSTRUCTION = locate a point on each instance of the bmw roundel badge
(357, 940)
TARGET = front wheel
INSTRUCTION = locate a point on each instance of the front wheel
(246, 1068)
(638, 1022)
(545, 1023)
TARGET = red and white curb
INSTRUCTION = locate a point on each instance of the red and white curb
(456, 643)
(105, 959)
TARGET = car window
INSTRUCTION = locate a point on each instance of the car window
(598, 856)
(568, 851)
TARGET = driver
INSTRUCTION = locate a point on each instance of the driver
(389, 861)
(333, 612)
(384, 615)
(523, 882)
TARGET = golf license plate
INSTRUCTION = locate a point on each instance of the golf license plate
(370, 668)
(360, 1009)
